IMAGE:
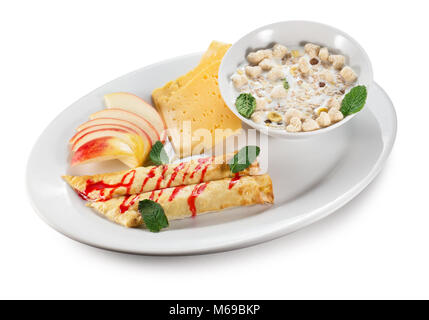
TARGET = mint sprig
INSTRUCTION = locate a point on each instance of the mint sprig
(245, 105)
(354, 101)
(244, 158)
(158, 155)
(153, 215)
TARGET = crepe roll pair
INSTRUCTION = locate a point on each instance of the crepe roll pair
(183, 190)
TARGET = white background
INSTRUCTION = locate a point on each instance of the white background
(54, 52)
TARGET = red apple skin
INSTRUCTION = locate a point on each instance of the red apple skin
(115, 121)
(106, 113)
(83, 132)
(104, 129)
(162, 131)
(112, 121)
(90, 150)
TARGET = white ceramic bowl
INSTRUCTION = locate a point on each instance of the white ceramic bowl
(292, 34)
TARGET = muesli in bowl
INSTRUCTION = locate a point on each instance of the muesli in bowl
(298, 90)
(292, 79)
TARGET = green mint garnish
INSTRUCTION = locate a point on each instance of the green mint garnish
(286, 84)
(354, 101)
(153, 215)
(158, 155)
(244, 158)
(245, 104)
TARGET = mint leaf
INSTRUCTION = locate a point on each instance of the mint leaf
(244, 158)
(245, 104)
(153, 215)
(354, 101)
(286, 84)
(158, 155)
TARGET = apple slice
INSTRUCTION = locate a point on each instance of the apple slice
(124, 115)
(132, 103)
(113, 121)
(139, 146)
(136, 143)
(84, 131)
(105, 148)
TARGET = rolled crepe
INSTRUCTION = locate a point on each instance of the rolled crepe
(144, 179)
(191, 200)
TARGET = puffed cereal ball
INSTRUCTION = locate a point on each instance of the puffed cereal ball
(312, 50)
(253, 72)
(295, 125)
(335, 115)
(292, 113)
(257, 116)
(310, 125)
(348, 74)
(266, 64)
(324, 54)
(280, 51)
(258, 56)
(324, 120)
(239, 80)
(337, 60)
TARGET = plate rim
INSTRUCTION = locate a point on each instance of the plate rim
(294, 224)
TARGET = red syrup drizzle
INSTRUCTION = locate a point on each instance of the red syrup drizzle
(124, 206)
(198, 189)
(175, 192)
(101, 186)
(150, 175)
(186, 172)
(206, 162)
(234, 181)
(162, 177)
(82, 195)
(174, 174)
(127, 203)
(201, 162)
(159, 194)
(203, 172)
(170, 181)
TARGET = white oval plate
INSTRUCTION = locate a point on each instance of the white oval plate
(311, 178)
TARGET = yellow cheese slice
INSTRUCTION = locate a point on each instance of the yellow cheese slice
(196, 115)
(195, 99)
(215, 52)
